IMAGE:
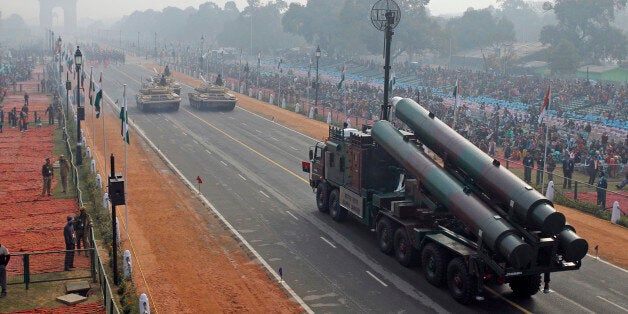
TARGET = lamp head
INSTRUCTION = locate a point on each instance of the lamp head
(78, 57)
(318, 51)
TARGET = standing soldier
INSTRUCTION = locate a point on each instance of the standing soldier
(4, 260)
(568, 166)
(70, 239)
(1, 119)
(50, 111)
(47, 172)
(82, 223)
(540, 164)
(601, 191)
(64, 169)
(528, 164)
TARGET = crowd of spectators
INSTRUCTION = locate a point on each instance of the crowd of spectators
(514, 130)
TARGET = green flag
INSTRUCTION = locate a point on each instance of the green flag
(342, 77)
(98, 97)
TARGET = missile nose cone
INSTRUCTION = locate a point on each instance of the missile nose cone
(573, 247)
(553, 223)
(549, 221)
(521, 256)
(518, 252)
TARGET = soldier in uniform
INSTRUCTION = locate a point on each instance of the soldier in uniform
(64, 169)
(50, 111)
(47, 172)
(602, 184)
(70, 240)
(528, 164)
(540, 164)
(82, 223)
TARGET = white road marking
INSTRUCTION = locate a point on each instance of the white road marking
(572, 302)
(379, 280)
(264, 194)
(258, 131)
(619, 306)
(243, 178)
(294, 148)
(274, 139)
(184, 134)
(175, 126)
(232, 118)
(222, 162)
(330, 244)
(293, 216)
(244, 123)
(208, 152)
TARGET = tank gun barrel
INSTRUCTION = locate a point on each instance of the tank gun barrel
(494, 231)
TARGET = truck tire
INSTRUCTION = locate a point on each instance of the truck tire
(322, 197)
(434, 263)
(405, 254)
(385, 237)
(461, 283)
(337, 212)
(526, 286)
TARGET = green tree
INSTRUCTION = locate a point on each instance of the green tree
(480, 29)
(587, 24)
(563, 58)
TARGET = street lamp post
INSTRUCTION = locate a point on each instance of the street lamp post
(318, 56)
(200, 58)
(78, 61)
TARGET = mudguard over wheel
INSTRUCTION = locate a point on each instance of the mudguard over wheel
(460, 281)
(434, 261)
(337, 212)
(322, 197)
(385, 235)
(405, 254)
(526, 286)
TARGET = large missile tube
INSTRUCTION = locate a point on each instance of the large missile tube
(494, 231)
(527, 205)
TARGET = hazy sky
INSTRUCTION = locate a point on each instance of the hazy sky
(115, 9)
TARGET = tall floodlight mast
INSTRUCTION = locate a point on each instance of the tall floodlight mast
(385, 16)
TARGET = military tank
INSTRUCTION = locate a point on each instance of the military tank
(169, 81)
(157, 97)
(212, 97)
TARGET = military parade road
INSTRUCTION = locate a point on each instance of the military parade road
(251, 168)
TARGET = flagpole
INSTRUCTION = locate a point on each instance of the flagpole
(91, 69)
(456, 104)
(104, 134)
(549, 102)
(126, 178)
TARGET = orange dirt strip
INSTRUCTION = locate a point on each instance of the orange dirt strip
(184, 259)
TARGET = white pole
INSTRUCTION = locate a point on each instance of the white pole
(91, 69)
(549, 102)
(104, 134)
(126, 178)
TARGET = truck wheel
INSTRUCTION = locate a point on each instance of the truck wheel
(526, 286)
(434, 263)
(461, 283)
(404, 252)
(322, 197)
(337, 212)
(385, 235)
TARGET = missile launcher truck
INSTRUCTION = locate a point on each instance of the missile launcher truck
(467, 221)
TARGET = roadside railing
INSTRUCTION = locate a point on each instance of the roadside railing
(69, 132)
